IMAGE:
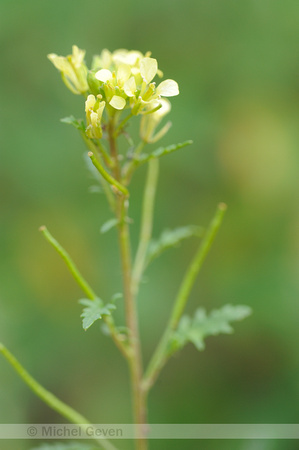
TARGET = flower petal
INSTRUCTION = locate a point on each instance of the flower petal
(148, 69)
(103, 75)
(78, 56)
(133, 56)
(123, 74)
(120, 56)
(117, 102)
(101, 109)
(168, 88)
(90, 102)
(130, 87)
(60, 62)
(106, 58)
(94, 118)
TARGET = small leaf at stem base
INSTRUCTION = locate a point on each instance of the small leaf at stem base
(94, 310)
(70, 120)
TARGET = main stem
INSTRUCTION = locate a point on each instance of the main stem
(135, 361)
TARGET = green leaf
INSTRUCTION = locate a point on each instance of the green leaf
(171, 238)
(108, 225)
(202, 325)
(78, 124)
(161, 151)
(69, 446)
(95, 309)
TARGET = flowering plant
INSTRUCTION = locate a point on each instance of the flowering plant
(118, 87)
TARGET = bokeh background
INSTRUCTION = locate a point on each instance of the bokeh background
(237, 66)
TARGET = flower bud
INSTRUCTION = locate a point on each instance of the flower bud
(93, 83)
(94, 111)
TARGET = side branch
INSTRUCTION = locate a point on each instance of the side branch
(146, 224)
(114, 183)
(161, 354)
(87, 289)
(69, 262)
(47, 397)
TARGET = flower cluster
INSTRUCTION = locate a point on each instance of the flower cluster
(118, 81)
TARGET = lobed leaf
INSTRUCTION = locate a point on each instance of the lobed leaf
(94, 310)
(161, 151)
(171, 238)
(78, 124)
(196, 329)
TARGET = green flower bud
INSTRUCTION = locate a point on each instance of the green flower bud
(93, 83)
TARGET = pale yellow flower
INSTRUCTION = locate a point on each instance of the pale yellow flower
(119, 80)
(123, 56)
(115, 83)
(73, 70)
(103, 61)
(142, 96)
(127, 78)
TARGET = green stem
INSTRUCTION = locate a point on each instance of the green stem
(69, 262)
(122, 124)
(98, 144)
(105, 185)
(114, 183)
(131, 166)
(160, 355)
(47, 397)
(86, 288)
(135, 362)
(146, 224)
(98, 147)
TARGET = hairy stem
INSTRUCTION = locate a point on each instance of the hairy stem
(135, 363)
(160, 355)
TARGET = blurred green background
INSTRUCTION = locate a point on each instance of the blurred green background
(237, 66)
